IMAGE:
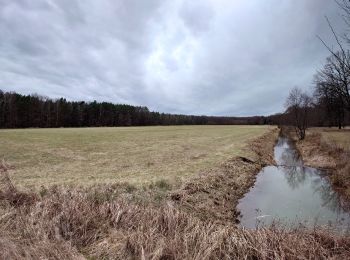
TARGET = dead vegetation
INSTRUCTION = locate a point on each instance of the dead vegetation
(331, 156)
(122, 222)
(137, 155)
(71, 224)
(9, 193)
(214, 194)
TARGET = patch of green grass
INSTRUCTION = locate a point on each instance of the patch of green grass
(137, 155)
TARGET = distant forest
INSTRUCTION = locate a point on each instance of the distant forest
(30, 111)
(24, 111)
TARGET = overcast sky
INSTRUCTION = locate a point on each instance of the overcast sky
(213, 57)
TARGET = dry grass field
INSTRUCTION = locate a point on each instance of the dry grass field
(102, 221)
(137, 155)
(334, 136)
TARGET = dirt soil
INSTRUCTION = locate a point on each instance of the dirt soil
(214, 195)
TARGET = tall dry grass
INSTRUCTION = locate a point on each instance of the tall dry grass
(327, 154)
(340, 176)
(73, 224)
(339, 171)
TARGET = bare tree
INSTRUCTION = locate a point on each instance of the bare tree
(335, 76)
(332, 87)
(332, 82)
(298, 104)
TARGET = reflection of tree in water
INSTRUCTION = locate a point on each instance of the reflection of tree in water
(291, 164)
(295, 176)
(290, 158)
(287, 156)
(329, 197)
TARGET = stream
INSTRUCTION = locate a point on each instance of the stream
(293, 195)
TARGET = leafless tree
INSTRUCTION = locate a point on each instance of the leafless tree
(332, 87)
(336, 72)
(335, 76)
(298, 104)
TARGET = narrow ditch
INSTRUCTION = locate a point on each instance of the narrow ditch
(292, 194)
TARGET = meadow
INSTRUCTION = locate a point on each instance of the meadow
(103, 220)
(137, 155)
(337, 137)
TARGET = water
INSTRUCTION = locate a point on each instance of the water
(292, 194)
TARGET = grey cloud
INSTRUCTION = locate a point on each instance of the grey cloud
(210, 57)
(196, 15)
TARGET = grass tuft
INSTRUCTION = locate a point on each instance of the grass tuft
(163, 185)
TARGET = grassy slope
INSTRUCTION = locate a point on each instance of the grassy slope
(329, 148)
(136, 155)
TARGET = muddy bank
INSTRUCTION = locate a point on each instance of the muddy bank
(214, 195)
(334, 160)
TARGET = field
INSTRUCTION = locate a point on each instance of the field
(340, 138)
(104, 221)
(137, 155)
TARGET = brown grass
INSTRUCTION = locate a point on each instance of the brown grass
(120, 221)
(71, 224)
(324, 148)
(340, 138)
(137, 155)
(214, 194)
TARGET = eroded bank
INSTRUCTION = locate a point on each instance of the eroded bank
(214, 194)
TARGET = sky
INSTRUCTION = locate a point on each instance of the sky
(208, 57)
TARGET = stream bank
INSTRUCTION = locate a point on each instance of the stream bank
(335, 160)
(214, 195)
(292, 194)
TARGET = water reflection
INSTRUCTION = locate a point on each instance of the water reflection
(330, 198)
(286, 155)
(291, 191)
(295, 176)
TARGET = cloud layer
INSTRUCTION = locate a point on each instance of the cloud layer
(213, 57)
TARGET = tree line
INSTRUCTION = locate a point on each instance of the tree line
(23, 111)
